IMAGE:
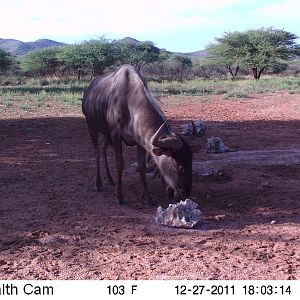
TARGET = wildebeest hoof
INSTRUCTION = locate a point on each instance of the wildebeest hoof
(153, 203)
(98, 189)
(111, 182)
(121, 201)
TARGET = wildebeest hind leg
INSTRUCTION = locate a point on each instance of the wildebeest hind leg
(117, 145)
(94, 136)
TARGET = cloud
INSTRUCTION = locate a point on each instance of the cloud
(284, 10)
(30, 19)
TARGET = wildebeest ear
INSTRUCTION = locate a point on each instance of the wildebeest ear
(161, 140)
(161, 151)
(158, 151)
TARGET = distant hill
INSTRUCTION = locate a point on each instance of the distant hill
(129, 40)
(20, 48)
(190, 55)
(193, 55)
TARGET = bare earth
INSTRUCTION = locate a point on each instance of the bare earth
(53, 225)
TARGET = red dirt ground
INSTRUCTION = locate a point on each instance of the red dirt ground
(53, 225)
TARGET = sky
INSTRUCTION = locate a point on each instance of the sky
(175, 25)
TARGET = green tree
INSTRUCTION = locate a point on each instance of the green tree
(226, 53)
(73, 60)
(258, 50)
(169, 66)
(90, 57)
(98, 55)
(43, 62)
(207, 68)
(268, 49)
(178, 67)
(137, 54)
(7, 60)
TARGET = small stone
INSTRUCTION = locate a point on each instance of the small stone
(215, 145)
(51, 241)
(273, 222)
(266, 185)
(220, 217)
(211, 172)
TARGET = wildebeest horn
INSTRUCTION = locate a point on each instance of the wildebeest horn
(157, 134)
(160, 140)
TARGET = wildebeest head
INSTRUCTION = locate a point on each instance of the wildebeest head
(174, 160)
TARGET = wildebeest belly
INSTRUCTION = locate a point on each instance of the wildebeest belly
(128, 140)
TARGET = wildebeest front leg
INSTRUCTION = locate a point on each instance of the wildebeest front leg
(109, 178)
(141, 155)
(94, 137)
(117, 145)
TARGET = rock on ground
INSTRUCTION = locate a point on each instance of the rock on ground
(183, 214)
(187, 129)
(215, 145)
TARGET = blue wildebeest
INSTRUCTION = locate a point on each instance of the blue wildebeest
(119, 108)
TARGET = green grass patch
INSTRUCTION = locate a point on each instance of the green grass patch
(69, 93)
(229, 88)
(37, 93)
(6, 101)
(26, 89)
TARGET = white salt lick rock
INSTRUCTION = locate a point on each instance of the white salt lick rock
(183, 214)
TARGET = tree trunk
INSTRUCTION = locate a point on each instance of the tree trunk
(230, 70)
(255, 74)
(260, 72)
(236, 71)
(233, 73)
